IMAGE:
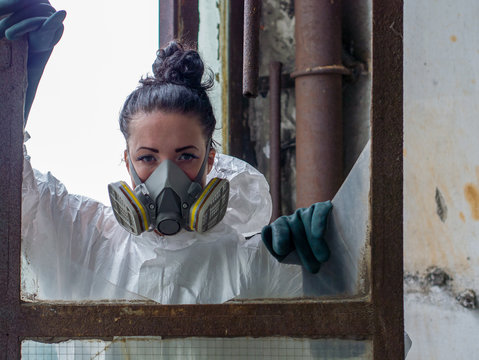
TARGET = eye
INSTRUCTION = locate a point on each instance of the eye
(187, 156)
(146, 158)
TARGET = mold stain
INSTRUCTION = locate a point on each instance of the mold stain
(453, 38)
(462, 217)
(441, 207)
(471, 192)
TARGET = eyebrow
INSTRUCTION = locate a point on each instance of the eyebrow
(185, 148)
(176, 150)
(148, 148)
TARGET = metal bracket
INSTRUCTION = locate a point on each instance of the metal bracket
(322, 70)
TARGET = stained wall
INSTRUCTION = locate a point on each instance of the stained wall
(441, 177)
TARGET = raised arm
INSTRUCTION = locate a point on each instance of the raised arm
(44, 27)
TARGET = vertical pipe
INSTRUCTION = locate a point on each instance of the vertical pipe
(275, 136)
(252, 15)
(189, 22)
(319, 149)
(179, 20)
(168, 21)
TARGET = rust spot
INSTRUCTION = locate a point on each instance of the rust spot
(129, 311)
(453, 38)
(404, 153)
(473, 81)
(471, 192)
(462, 217)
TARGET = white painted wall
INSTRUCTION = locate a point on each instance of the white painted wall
(441, 151)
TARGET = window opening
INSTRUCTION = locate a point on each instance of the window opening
(361, 318)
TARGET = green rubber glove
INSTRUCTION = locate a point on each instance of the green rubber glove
(302, 231)
(44, 26)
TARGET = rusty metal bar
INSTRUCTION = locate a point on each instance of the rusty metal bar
(179, 20)
(252, 17)
(13, 81)
(345, 318)
(319, 138)
(189, 22)
(168, 21)
(275, 136)
(387, 179)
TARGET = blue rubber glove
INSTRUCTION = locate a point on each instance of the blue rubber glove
(302, 231)
(44, 26)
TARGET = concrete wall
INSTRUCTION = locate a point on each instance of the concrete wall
(441, 177)
(277, 44)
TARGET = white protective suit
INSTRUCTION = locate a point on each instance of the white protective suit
(74, 249)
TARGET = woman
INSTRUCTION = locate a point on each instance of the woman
(75, 248)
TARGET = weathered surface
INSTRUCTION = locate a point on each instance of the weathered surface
(277, 44)
(252, 16)
(179, 20)
(13, 59)
(441, 173)
(319, 126)
(441, 169)
(387, 179)
(340, 319)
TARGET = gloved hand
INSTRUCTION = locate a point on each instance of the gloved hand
(44, 26)
(302, 231)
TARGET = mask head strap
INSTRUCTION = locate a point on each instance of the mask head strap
(203, 166)
(133, 171)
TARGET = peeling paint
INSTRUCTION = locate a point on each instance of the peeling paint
(441, 209)
(467, 298)
(129, 311)
(436, 276)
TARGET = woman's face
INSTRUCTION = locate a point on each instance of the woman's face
(158, 136)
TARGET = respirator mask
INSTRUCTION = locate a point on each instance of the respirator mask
(168, 200)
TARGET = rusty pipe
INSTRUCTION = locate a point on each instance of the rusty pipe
(275, 136)
(179, 20)
(251, 22)
(319, 138)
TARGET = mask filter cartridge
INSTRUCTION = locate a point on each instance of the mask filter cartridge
(211, 206)
(129, 212)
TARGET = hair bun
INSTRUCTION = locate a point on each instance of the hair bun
(176, 65)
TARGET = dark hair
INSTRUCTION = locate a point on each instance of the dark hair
(176, 86)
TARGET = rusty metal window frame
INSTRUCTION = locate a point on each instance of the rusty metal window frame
(377, 316)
